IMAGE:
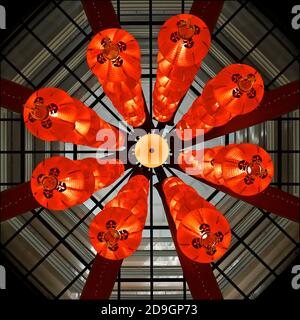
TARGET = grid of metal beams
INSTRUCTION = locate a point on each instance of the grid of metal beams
(61, 238)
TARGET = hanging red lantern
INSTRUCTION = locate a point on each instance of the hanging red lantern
(113, 55)
(204, 235)
(237, 89)
(133, 197)
(58, 183)
(181, 198)
(246, 169)
(115, 233)
(183, 42)
(105, 173)
(52, 115)
(93, 131)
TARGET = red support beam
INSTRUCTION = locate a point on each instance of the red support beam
(274, 104)
(101, 279)
(271, 199)
(199, 276)
(208, 11)
(16, 201)
(100, 14)
(13, 95)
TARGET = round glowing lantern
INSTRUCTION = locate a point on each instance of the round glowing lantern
(105, 173)
(113, 55)
(204, 235)
(181, 199)
(246, 169)
(133, 197)
(58, 183)
(115, 233)
(236, 89)
(50, 114)
(184, 40)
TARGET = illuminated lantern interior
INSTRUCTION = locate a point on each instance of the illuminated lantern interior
(133, 196)
(50, 114)
(104, 173)
(58, 183)
(113, 56)
(115, 233)
(183, 42)
(204, 235)
(200, 163)
(246, 169)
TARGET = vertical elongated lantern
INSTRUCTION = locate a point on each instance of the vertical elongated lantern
(246, 169)
(58, 183)
(235, 90)
(113, 56)
(116, 232)
(183, 42)
(204, 235)
(181, 198)
(52, 115)
(200, 163)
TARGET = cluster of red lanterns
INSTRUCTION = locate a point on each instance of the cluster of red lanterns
(203, 233)
(116, 232)
(245, 168)
(58, 183)
(114, 57)
(235, 90)
(183, 42)
(52, 115)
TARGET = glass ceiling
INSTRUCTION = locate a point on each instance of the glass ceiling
(51, 249)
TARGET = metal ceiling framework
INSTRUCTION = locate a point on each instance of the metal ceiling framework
(103, 274)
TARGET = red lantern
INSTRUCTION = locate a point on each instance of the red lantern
(115, 233)
(52, 115)
(246, 169)
(181, 199)
(58, 183)
(183, 42)
(133, 197)
(200, 163)
(113, 55)
(204, 235)
(237, 89)
(104, 173)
